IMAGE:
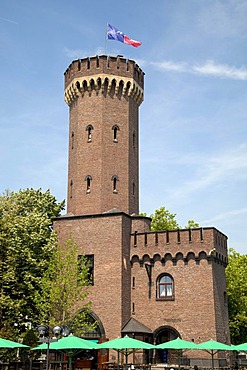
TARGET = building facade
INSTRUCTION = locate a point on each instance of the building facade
(155, 286)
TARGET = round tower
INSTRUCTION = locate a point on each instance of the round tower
(104, 94)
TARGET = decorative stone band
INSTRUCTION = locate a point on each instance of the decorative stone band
(106, 84)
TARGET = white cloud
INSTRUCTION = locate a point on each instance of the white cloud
(214, 170)
(221, 70)
(225, 215)
(171, 66)
(209, 68)
(8, 20)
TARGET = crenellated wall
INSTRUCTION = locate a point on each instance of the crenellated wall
(196, 261)
(112, 65)
(108, 75)
(173, 245)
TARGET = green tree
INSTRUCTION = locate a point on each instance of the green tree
(236, 277)
(64, 285)
(163, 219)
(26, 244)
(191, 224)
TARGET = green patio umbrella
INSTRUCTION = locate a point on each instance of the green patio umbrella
(5, 343)
(70, 345)
(70, 342)
(125, 345)
(212, 347)
(241, 347)
(178, 344)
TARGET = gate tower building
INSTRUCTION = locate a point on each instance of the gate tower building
(155, 285)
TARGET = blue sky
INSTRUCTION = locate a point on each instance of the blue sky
(193, 121)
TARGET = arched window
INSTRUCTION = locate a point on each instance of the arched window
(165, 287)
(114, 183)
(89, 130)
(115, 129)
(88, 179)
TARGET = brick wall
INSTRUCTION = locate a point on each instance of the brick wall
(196, 260)
(107, 238)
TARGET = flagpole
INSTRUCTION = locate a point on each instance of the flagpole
(106, 38)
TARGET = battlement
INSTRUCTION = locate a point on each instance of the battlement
(103, 64)
(207, 243)
(109, 75)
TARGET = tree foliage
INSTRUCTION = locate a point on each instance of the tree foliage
(163, 219)
(26, 244)
(64, 284)
(236, 277)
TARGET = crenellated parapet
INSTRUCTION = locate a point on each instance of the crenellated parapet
(106, 75)
(184, 245)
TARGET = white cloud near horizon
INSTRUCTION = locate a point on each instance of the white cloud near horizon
(214, 170)
(225, 215)
(209, 68)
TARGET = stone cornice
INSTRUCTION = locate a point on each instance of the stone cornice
(106, 84)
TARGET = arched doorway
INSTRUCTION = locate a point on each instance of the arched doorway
(88, 325)
(161, 335)
(91, 329)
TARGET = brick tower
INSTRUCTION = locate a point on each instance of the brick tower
(103, 94)
(154, 285)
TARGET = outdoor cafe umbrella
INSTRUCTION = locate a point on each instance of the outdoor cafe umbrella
(241, 347)
(70, 345)
(125, 345)
(5, 343)
(178, 344)
(212, 347)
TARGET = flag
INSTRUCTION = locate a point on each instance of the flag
(114, 34)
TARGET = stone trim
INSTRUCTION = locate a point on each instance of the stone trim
(128, 87)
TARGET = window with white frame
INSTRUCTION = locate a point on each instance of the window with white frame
(165, 287)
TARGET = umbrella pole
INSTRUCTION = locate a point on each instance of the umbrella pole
(179, 359)
(47, 354)
(212, 359)
(126, 359)
(70, 361)
(118, 359)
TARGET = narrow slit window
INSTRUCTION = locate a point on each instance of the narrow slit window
(134, 139)
(71, 188)
(133, 282)
(72, 139)
(88, 180)
(114, 183)
(88, 184)
(115, 129)
(89, 130)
